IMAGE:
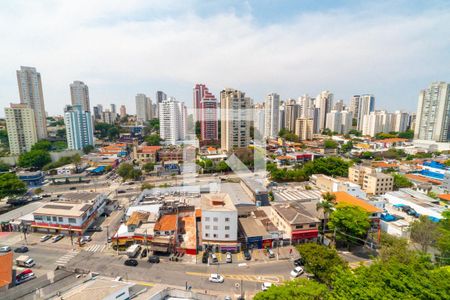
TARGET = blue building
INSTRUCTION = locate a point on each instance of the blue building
(79, 129)
(32, 179)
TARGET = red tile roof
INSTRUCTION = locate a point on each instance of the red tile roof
(346, 198)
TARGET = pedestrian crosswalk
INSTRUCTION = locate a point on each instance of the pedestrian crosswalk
(63, 260)
(95, 248)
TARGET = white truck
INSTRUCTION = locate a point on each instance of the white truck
(25, 261)
(133, 250)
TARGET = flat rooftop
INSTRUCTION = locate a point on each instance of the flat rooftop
(96, 289)
(296, 194)
(79, 197)
(63, 209)
(253, 227)
(236, 193)
(217, 202)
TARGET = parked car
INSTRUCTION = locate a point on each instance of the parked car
(216, 278)
(73, 188)
(25, 276)
(46, 195)
(131, 262)
(228, 257)
(84, 239)
(21, 249)
(121, 192)
(46, 237)
(247, 255)
(299, 262)
(266, 285)
(57, 237)
(214, 258)
(4, 249)
(94, 229)
(270, 253)
(297, 272)
(153, 259)
(205, 257)
(144, 253)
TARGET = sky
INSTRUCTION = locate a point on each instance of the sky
(391, 49)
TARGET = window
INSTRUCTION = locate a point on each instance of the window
(60, 219)
(215, 235)
(206, 234)
(54, 219)
(72, 220)
(206, 219)
(227, 219)
(299, 227)
(227, 227)
(312, 225)
(215, 228)
(38, 218)
(207, 227)
(216, 219)
(227, 236)
(48, 218)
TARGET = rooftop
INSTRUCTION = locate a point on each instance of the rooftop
(6, 264)
(21, 211)
(391, 140)
(149, 149)
(98, 288)
(237, 195)
(63, 209)
(296, 194)
(419, 178)
(293, 215)
(166, 223)
(346, 198)
(217, 202)
(79, 197)
(137, 217)
(253, 227)
(445, 197)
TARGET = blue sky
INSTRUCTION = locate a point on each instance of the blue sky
(120, 48)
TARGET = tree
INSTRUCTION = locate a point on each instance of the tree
(401, 181)
(366, 155)
(443, 240)
(330, 144)
(38, 191)
(42, 145)
(349, 222)
(127, 171)
(148, 167)
(424, 232)
(197, 129)
(408, 134)
(4, 167)
(327, 205)
(88, 149)
(4, 141)
(147, 186)
(11, 185)
(355, 132)
(299, 289)
(383, 136)
(396, 248)
(321, 261)
(34, 159)
(153, 140)
(222, 166)
(113, 133)
(61, 133)
(347, 147)
(331, 166)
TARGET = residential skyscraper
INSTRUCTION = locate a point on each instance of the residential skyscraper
(79, 93)
(400, 121)
(339, 105)
(123, 111)
(376, 122)
(21, 128)
(259, 121)
(235, 119)
(30, 91)
(160, 97)
(304, 128)
(306, 106)
(324, 102)
(272, 115)
(205, 107)
(113, 108)
(365, 107)
(172, 120)
(143, 108)
(433, 113)
(292, 112)
(79, 129)
(98, 112)
(339, 121)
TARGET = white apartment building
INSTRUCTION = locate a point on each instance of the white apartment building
(79, 129)
(259, 120)
(400, 121)
(30, 92)
(376, 122)
(324, 102)
(235, 119)
(108, 117)
(433, 113)
(272, 115)
(21, 128)
(219, 221)
(292, 112)
(306, 106)
(172, 121)
(143, 108)
(304, 128)
(339, 121)
(366, 105)
(79, 93)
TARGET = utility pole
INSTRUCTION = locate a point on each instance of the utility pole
(107, 233)
(71, 234)
(24, 230)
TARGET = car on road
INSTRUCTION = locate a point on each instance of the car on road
(46, 195)
(121, 192)
(228, 257)
(153, 259)
(131, 262)
(270, 253)
(266, 285)
(25, 276)
(94, 229)
(57, 237)
(214, 258)
(297, 272)
(299, 262)
(144, 253)
(5, 249)
(73, 188)
(216, 278)
(46, 237)
(247, 255)
(205, 257)
(21, 249)
(85, 239)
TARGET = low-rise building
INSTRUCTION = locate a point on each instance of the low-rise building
(368, 206)
(6, 270)
(330, 184)
(254, 233)
(32, 179)
(73, 213)
(378, 183)
(145, 154)
(219, 222)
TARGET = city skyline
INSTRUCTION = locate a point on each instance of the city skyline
(384, 53)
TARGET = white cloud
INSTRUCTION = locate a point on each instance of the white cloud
(120, 48)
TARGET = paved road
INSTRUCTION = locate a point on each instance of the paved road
(177, 274)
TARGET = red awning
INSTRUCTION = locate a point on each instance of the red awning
(304, 234)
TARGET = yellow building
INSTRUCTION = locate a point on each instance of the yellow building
(21, 127)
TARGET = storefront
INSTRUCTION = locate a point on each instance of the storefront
(302, 236)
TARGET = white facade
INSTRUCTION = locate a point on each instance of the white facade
(400, 121)
(259, 121)
(324, 103)
(433, 113)
(172, 120)
(376, 122)
(30, 92)
(272, 114)
(79, 93)
(292, 112)
(219, 221)
(143, 108)
(21, 128)
(306, 106)
(79, 129)
(339, 121)
(365, 107)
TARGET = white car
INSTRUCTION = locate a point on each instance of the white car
(266, 285)
(85, 238)
(5, 249)
(297, 272)
(46, 237)
(217, 278)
